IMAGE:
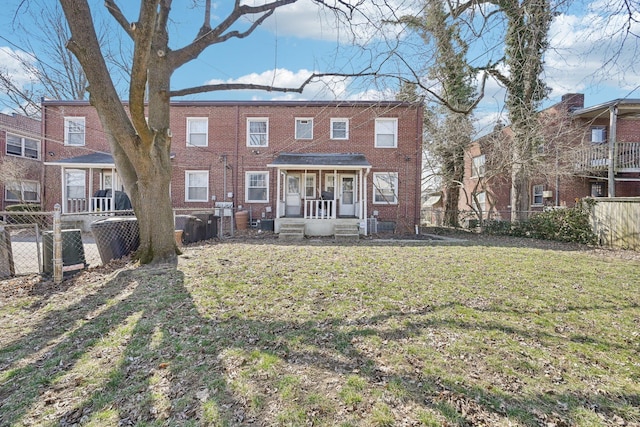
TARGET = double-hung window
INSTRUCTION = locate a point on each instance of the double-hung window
(386, 133)
(310, 187)
(257, 187)
(257, 132)
(598, 134)
(23, 147)
(538, 194)
(479, 163)
(74, 131)
(23, 192)
(76, 183)
(304, 128)
(480, 201)
(196, 186)
(339, 128)
(197, 131)
(385, 188)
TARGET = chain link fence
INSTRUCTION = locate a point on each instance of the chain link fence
(28, 241)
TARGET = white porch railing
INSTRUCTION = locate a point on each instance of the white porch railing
(93, 204)
(319, 209)
(101, 204)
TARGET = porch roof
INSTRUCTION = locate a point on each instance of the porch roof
(321, 161)
(93, 160)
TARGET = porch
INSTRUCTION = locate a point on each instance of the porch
(596, 158)
(90, 184)
(320, 192)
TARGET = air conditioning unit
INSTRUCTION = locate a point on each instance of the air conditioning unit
(547, 194)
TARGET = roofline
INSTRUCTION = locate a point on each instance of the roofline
(284, 103)
(317, 167)
(606, 105)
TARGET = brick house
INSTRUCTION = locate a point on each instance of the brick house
(21, 159)
(312, 161)
(592, 151)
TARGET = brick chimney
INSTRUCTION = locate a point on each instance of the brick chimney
(573, 101)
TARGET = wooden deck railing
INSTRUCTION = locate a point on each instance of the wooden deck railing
(596, 157)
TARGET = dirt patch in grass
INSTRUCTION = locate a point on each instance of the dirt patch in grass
(382, 332)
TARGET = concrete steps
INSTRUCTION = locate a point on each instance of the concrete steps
(292, 231)
(343, 232)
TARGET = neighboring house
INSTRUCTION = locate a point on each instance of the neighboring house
(20, 160)
(312, 161)
(592, 151)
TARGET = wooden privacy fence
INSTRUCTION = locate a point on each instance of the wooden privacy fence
(616, 222)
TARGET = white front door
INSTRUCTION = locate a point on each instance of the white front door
(347, 203)
(294, 202)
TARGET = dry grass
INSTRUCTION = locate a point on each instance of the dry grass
(372, 334)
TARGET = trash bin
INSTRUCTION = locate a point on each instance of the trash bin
(193, 228)
(116, 237)
(210, 222)
(73, 259)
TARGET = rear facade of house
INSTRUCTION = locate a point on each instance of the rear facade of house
(319, 163)
(21, 159)
(599, 156)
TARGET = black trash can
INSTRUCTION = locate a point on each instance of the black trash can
(193, 228)
(210, 222)
(73, 259)
(116, 237)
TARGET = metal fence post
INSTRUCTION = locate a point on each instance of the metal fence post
(57, 245)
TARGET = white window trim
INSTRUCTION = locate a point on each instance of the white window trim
(246, 186)
(301, 119)
(477, 172)
(23, 146)
(66, 130)
(187, 181)
(257, 119)
(79, 172)
(533, 194)
(375, 188)
(9, 185)
(602, 129)
(206, 134)
(340, 120)
(395, 131)
(313, 177)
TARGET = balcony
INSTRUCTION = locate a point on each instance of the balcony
(596, 158)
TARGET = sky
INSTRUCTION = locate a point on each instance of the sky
(586, 53)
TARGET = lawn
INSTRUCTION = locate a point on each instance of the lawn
(370, 334)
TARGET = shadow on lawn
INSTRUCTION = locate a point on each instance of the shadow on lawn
(160, 362)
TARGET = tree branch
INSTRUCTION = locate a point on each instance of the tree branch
(117, 14)
(267, 88)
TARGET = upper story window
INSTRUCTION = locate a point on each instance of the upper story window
(74, 130)
(339, 128)
(598, 134)
(386, 133)
(538, 196)
(196, 186)
(385, 188)
(23, 192)
(23, 147)
(257, 132)
(197, 131)
(304, 128)
(478, 166)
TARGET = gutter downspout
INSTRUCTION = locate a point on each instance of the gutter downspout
(366, 201)
(613, 119)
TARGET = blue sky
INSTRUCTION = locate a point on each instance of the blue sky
(300, 39)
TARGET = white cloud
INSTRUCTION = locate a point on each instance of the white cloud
(306, 19)
(12, 64)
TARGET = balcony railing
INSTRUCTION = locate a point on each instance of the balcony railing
(92, 204)
(596, 157)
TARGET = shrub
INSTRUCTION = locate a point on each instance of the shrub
(564, 225)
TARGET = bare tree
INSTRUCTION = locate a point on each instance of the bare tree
(51, 69)
(141, 148)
